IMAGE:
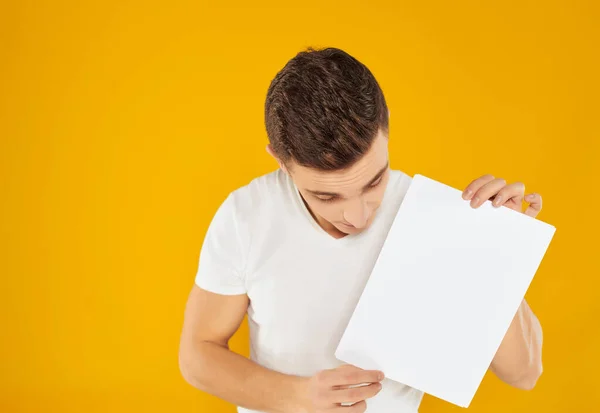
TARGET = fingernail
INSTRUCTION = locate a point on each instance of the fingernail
(467, 193)
(381, 376)
(497, 201)
(475, 201)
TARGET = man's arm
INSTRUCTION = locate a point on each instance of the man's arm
(207, 363)
(518, 361)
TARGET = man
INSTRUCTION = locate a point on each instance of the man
(294, 248)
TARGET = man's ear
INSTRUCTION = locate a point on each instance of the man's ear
(281, 165)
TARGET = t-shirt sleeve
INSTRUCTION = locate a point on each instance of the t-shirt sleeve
(222, 257)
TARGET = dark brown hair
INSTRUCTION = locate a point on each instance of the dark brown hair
(324, 109)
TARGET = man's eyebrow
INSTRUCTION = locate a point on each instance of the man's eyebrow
(335, 194)
(376, 177)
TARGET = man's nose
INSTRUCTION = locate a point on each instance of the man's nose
(357, 214)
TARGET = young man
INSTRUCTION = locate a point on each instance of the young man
(294, 248)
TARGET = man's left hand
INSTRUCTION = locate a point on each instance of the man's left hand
(497, 191)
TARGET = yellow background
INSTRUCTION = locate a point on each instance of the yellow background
(123, 126)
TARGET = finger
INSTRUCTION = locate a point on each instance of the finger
(355, 394)
(514, 191)
(359, 407)
(349, 375)
(486, 191)
(535, 204)
(475, 185)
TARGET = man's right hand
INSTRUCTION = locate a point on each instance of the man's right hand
(327, 390)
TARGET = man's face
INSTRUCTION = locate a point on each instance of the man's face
(345, 202)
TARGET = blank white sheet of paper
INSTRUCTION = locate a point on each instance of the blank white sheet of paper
(444, 290)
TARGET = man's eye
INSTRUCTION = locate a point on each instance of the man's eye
(377, 182)
(326, 199)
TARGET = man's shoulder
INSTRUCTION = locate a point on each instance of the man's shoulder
(398, 174)
(400, 178)
(269, 183)
(397, 188)
(261, 192)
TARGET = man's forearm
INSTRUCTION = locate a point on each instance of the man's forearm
(217, 370)
(518, 360)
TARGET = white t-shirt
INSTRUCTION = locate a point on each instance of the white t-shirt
(303, 284)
